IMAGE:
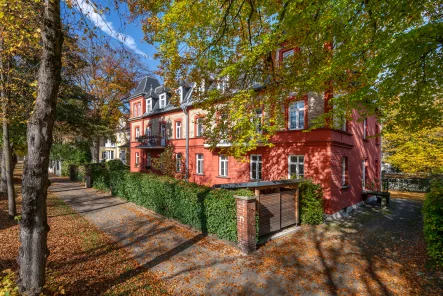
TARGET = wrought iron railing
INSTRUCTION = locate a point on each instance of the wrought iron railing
(152, 141)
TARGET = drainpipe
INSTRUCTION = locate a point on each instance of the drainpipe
(185, 110)
(184, 107)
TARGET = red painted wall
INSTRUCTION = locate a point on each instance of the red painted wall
(322, 150)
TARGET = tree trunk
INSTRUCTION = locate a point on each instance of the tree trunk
(34, 228)
(12, 212)
(3, 183)
(95, 150)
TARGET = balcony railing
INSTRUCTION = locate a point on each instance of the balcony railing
(151, 141)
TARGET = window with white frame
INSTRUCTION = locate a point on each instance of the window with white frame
(134, 110)
(178, 129)
(103, 154)
(163, 131)
(110, 154)
(199, 127)
(162, 101)
(148, 131)
(148, 160)
(139, 109)
(199, 164)
(137, 159)
(344, 170)
(296, 166)
(297, 115)
(149, 105)
(287, 53)
(365, 128)
(256, 166)
(223, 166)
(137, 132)
(178, 162)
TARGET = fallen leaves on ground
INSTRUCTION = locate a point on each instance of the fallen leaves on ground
(83, 261)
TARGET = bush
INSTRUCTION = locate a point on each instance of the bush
(99, 175)
(115, 165)
(433, 220)
(206, 209)
(311, 203)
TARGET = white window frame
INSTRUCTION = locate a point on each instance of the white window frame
(199, 127)
(162, 101)
(178, 129)
(287, 53)
(343, 170)
(223, 165)
(178, 162)
(259, 164)
(148, 105)
(137, 132)
(199, 164)
(110, 154)
(148, 131)
(297, 164)
(163, 131)
(298, 108)
(137, 159)
(104, 155)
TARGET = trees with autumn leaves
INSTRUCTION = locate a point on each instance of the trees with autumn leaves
(382, 58)
(412, 152)
(37, 73)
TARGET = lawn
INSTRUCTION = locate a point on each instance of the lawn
(83, 261)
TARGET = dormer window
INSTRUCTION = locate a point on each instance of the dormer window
(149, 105)
(181, 94)
(162, 101)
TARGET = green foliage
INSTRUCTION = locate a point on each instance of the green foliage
(414, 152)
(71, 153)
(208, 210)
(378, 59)
(8, 287)
(433, 220)
(311, 203)
(99, 175)
(115, 165)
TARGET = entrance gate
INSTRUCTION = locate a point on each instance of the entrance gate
(277, 211)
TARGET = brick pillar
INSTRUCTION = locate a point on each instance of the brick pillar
(246, 231)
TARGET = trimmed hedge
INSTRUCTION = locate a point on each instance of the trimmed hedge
(208, 210)
(433, 220)
(311, 203)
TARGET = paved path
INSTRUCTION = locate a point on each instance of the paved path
(373, 252)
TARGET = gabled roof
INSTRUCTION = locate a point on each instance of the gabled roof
(146, 87)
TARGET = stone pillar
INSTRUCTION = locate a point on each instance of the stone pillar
(246, 230)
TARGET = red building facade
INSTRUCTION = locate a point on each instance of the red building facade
(344, 160)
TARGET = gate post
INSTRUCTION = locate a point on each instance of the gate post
(246, 228)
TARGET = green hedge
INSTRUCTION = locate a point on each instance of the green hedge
(311, 203)
(208, 210)
(433, 220)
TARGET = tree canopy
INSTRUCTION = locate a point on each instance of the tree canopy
(382, 58)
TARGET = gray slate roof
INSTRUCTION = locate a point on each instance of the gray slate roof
(147, 87)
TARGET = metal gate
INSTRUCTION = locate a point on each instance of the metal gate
(277, 211)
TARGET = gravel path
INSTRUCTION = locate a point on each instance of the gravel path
(372, 252)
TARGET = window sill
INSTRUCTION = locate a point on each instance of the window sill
(223, 177)
(366, 139)
(345, 187)
(202, 175)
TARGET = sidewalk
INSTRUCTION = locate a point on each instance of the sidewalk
(371, 253)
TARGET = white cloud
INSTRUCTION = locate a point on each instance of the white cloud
(106, 26)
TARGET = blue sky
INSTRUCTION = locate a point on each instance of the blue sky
(115, 25)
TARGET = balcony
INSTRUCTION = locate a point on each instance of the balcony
(151, 142)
